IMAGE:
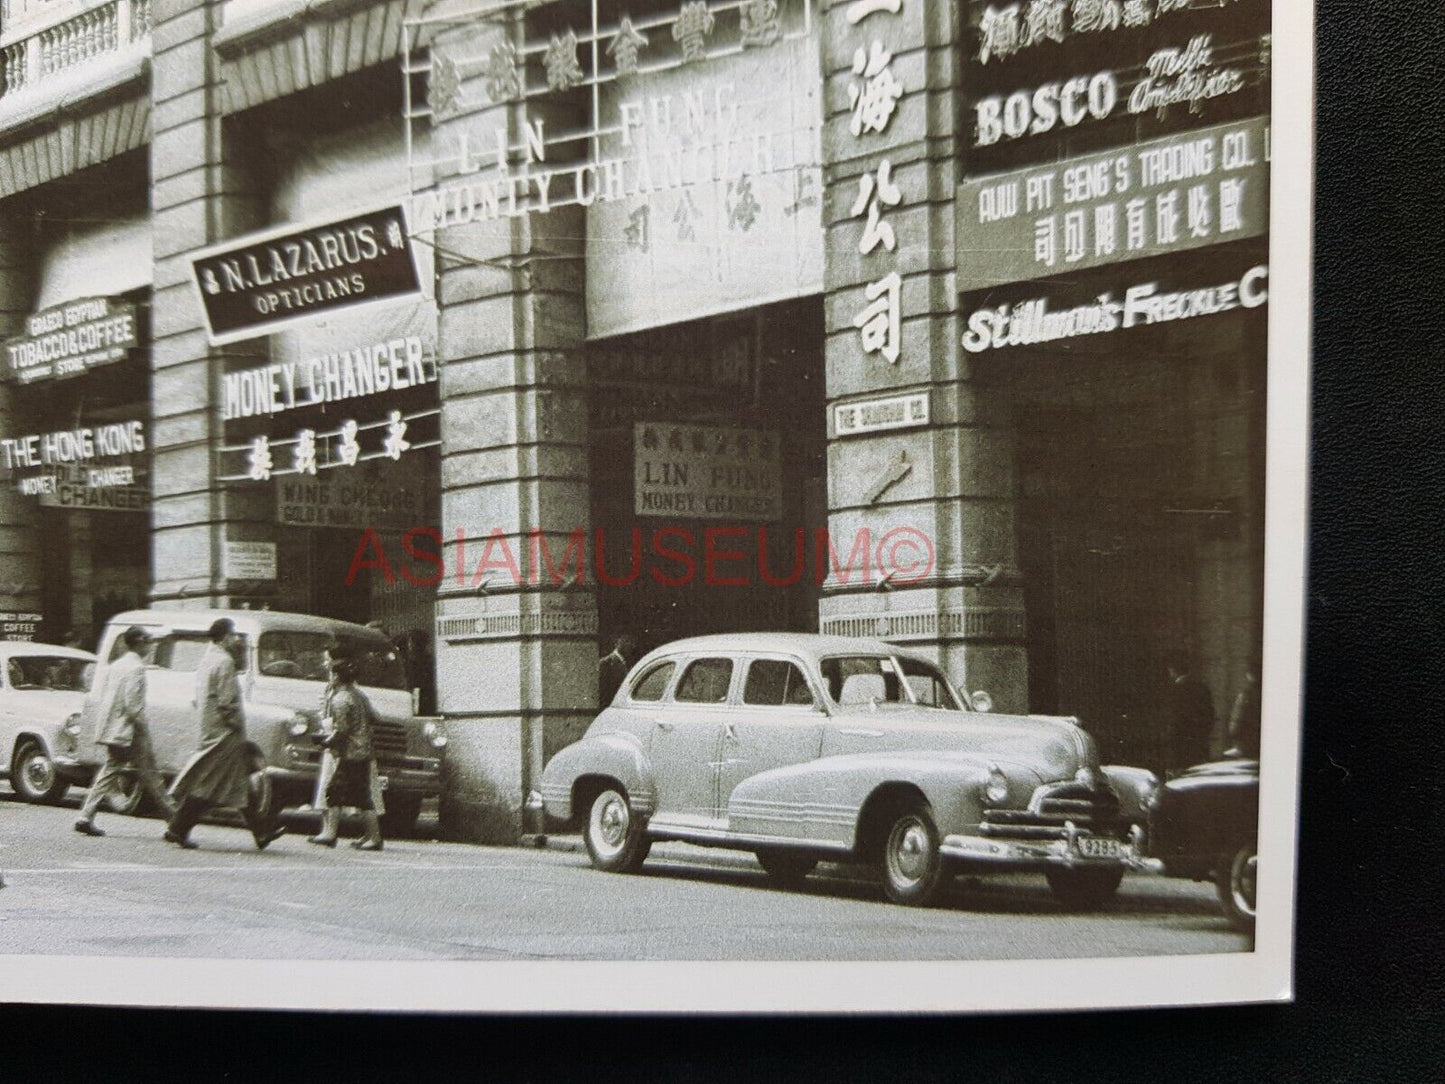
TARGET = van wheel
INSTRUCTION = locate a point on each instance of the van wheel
(33, 775)
(614, 837)
(912, 862)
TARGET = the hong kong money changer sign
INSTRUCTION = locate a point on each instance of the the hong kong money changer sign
(707, 472)
(1180, 192)
(259, 284)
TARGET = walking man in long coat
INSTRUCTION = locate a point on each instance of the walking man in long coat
(218, 772)
(123, 731)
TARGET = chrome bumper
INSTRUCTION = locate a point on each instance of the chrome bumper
(1072, 850)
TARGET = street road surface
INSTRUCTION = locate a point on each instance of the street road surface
(131, 894)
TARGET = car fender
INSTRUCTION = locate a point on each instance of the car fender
(823, 799)
(615, 755)
(1134, 786)
(23, 734)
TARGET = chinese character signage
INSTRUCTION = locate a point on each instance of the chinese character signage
(707, 195)
(256, 285)
(69, 339)
(707, 472)
(1166, 195)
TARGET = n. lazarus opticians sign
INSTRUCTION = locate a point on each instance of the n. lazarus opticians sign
(259, 284)
(67, 340)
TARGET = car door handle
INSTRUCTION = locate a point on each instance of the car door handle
(730, 732)
(858, 732)
(665, 724)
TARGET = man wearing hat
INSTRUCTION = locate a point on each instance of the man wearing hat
(123, 732)
(218, 773)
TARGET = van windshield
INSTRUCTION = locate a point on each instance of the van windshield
(303, 655)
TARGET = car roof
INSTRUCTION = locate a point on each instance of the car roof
(806, 644)
(248, 621)
(9, 649)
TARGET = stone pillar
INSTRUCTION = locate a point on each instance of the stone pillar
(937, 500)
(516, 661)
(20, 539)
(199, 195)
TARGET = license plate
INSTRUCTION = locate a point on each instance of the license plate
(1093, 847)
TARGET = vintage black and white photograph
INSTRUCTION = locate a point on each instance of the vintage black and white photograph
(514, 504)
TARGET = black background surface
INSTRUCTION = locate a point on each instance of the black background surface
(1369, 952)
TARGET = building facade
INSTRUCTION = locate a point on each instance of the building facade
(522, 326)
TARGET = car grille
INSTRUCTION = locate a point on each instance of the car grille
(1053, 806)
(388, 740)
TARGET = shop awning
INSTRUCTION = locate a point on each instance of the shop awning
(101, 260)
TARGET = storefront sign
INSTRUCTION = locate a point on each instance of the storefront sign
(1167, 195)
(386, 503)
(19, 626)
(1033, 321)
(707, 193)
(257, 284)
(250, 560)
(876, 415)
(68, 339)
(82, 488)
(73, 445)
(369, 370)
(706, 472)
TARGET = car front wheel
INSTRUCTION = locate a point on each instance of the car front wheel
(1235, 884)
(33, 775)
(1084, 889)
(614, 837)
(912, 861)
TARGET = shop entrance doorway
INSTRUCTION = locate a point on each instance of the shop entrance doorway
(709, 438)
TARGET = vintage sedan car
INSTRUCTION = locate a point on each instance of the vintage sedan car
(42, 687)
(1204, 825)
(282, 669)
(802, 748)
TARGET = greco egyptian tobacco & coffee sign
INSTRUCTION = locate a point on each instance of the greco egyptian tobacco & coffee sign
(67, 340)
(260, 284)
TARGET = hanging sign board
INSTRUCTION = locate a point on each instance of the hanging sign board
(259, 284)
(707, 472)
(69, 339)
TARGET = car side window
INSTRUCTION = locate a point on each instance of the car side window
(774, 683)
(705, 681)
(651, 685)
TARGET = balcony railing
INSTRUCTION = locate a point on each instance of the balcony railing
(61, 45)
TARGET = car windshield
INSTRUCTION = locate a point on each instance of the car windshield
(55, 672)
(303, 655)
(873, 679)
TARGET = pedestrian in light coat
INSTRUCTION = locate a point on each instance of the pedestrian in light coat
(122, 730)
(218, 773)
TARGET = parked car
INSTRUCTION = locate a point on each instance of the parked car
(42, 687)
(802, 748)
(282, 669)
(1204, 825)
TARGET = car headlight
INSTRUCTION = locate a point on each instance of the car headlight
(72, 727)
(1148, 791)
(996, 789)
(434, 733)
(1087, 778)
(298, 726)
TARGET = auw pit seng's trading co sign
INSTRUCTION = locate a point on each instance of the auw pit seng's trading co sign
(69, 339)
(259, 284)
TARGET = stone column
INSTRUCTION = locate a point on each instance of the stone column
(516, 661)
(20, 539)
(937, 500)
(199, 195)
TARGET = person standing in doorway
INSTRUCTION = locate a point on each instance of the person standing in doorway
(124, 734)
(349, 740)
(217, 774)
(1191, 714)
(612, 669)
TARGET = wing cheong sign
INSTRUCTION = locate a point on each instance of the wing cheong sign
(257, 285)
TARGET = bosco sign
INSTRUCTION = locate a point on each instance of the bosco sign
(265, 282)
